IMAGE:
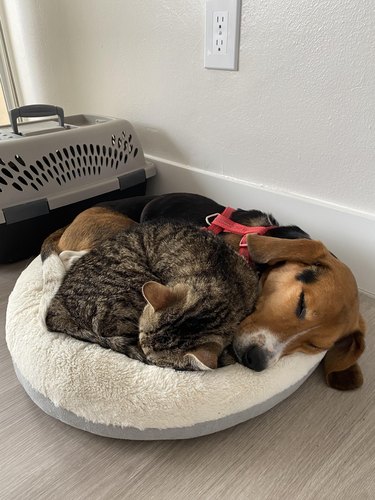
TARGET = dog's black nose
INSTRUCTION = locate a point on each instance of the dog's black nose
(255, 358)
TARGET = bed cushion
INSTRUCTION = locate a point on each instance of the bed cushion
(106, 393)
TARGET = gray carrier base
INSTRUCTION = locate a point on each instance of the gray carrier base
(52, 169)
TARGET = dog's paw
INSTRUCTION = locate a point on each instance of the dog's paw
(69, 257)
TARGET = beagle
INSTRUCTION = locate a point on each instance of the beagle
(308, 300)
(308, 303)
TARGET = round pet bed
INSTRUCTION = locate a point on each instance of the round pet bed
(106, 393)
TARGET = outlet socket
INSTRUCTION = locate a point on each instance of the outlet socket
(222, 35)
(220, 32)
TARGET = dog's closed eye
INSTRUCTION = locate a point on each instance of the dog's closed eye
(301, 307)
(313, 346)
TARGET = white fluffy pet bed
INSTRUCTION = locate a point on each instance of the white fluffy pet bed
(106, 393)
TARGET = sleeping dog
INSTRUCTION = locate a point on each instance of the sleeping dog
(308, 301)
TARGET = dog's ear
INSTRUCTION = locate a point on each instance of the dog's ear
(340, 367)
(204, 357)
(161, 296)
(269, 250)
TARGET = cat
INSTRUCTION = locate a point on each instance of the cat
(164, 293)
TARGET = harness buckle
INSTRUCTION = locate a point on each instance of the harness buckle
(208, 222)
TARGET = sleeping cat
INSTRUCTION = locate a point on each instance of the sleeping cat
(168, 294)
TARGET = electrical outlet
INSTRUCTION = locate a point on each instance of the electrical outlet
(220, 32)
(223, 19)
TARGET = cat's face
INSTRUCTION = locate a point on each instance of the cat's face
(175, 331)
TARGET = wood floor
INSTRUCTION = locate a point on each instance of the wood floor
(318, 444)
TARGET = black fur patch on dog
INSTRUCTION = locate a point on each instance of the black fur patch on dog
(194, 208)
(288, 232)
(307, 276)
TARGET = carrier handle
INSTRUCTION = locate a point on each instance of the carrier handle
(33, 111)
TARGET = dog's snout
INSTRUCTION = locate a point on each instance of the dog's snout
(255, 358)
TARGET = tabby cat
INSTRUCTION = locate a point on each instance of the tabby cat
(165, 293)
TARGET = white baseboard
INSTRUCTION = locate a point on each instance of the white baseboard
(349, 234)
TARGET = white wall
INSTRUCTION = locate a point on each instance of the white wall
(299, 116)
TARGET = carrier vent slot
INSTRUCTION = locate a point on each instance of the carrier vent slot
(69, 163)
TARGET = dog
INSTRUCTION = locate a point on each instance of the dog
(308, 300)
(308, 304)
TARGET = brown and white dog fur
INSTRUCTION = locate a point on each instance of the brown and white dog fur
(87, 230)
(307, 304)
(308, 300)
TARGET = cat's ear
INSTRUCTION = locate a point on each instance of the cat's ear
(160, 296)
(204, 357)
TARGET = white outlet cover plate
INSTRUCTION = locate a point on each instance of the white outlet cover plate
(229, 59)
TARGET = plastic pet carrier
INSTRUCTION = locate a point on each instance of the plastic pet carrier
(52, 169)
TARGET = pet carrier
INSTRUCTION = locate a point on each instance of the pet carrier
(52, 169)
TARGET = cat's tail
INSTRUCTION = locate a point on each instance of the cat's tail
(53, 271)
(55, 264)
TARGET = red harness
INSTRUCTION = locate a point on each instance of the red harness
(223, 223)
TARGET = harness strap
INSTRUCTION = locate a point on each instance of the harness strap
(223, 223)
(220, 220)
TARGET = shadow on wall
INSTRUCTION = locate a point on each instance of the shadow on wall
(159, 142)
(156, 184)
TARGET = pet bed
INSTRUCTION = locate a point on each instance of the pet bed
(106, 393)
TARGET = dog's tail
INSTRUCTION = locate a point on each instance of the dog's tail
(51, 244)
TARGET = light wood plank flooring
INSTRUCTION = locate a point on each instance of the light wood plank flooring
(318, 444)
